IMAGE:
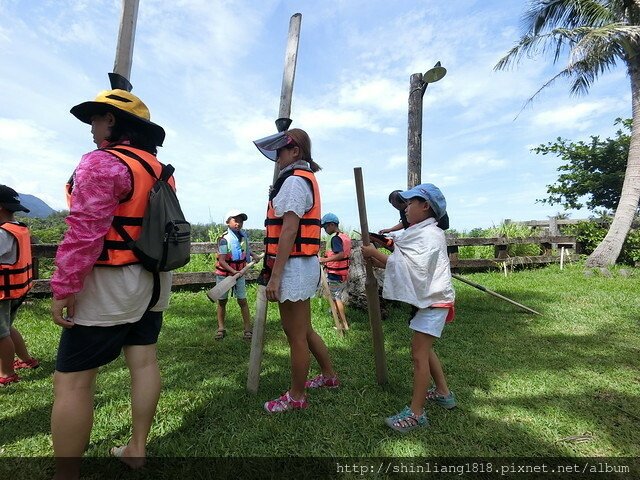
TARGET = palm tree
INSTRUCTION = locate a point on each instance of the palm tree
(598, 35)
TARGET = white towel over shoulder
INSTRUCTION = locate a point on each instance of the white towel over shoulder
(418, 270)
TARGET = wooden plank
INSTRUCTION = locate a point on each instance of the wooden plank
(564, 221)
(371, 288)
(288, 75)
(473, 241)
(257, 340)
(126, 38)
(497, 262)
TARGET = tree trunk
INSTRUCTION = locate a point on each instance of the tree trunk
(609, 249)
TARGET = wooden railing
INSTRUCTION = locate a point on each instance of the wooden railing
(500, 244)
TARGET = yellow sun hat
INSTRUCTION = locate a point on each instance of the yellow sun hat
(122, 103)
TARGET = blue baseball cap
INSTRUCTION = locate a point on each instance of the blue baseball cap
(329, 218)
(430, 193)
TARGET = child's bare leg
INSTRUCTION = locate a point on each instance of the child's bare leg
(437, 374)
(296, 323)
(19, 345)
(221, 311)
(7, 353)
(320, 352)
(421, 345)
(246, 316)
(341, 314)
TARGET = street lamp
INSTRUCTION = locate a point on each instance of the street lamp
(419, 83)
(434, 74)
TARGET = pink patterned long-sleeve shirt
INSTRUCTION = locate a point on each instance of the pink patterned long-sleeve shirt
(100, 182)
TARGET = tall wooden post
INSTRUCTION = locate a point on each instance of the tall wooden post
(288, 77)
(371, 287)
(414, 138)
(282, 123)
(126, 37)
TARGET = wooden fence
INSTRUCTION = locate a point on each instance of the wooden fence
(500, 244)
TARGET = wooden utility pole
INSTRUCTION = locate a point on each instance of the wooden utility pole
(126, 37)
(414, 137)
(282, 124)
(417, 86)
(371, 287)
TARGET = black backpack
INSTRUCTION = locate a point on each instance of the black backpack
(164, 243)
(165, 238)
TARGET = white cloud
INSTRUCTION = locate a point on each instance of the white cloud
(396, 161)
(377, 94)
(472, 161)
(578, 116)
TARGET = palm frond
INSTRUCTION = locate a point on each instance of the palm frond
(561, 74)
(531, 45)
(597, 35)
(614, 40)
(545, 15)
(587, 69)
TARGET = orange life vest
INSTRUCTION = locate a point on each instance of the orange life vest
(16, 279)
(307, 241)
(144, 168)
(339, 267)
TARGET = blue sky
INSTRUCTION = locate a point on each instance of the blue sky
(211, 70)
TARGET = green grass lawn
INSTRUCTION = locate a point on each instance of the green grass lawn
(525, 384)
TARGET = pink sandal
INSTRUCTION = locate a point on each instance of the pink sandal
(284, 403)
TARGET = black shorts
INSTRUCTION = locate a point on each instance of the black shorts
(84, 348)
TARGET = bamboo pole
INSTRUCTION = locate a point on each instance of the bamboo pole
(126, 37)
(371, 287)
(490, 292)
(283, 122)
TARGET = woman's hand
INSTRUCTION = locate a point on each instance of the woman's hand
(384, 231)
(272, 289)
(58, 307)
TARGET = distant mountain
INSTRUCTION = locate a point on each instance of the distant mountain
(39, 209)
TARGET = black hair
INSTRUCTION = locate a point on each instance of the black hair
(136, 133)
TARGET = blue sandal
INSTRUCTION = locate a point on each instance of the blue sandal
(406, 420)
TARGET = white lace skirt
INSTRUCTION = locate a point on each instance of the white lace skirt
(300, 279)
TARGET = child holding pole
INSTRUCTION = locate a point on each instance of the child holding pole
(233, 253)
(291, 268)
(418, 273)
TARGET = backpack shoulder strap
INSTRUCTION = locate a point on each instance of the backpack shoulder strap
(134, 156)
(167, 171)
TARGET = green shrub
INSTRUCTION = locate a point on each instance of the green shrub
(590, 234)
(631, 249)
